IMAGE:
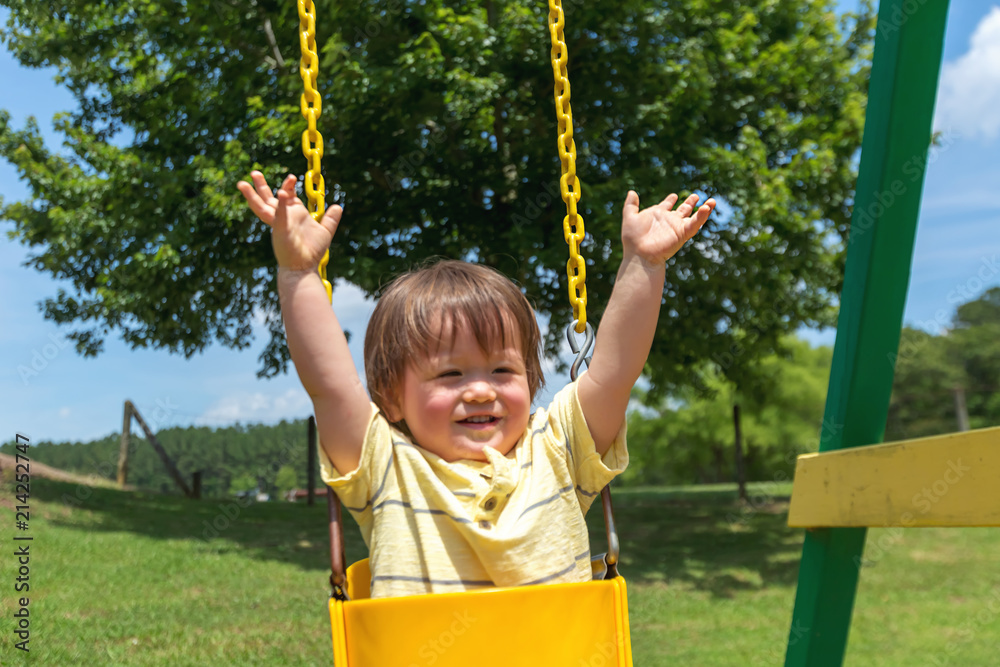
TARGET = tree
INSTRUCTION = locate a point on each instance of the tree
(440, 139)
(687, 437)
(286, 480)
(242, 484)
(231, 459)
(787, 420)
(935, 374)
(975, 337)
(926, 374)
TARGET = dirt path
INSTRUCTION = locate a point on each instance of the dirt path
(7, 463)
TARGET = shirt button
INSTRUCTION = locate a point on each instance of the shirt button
(490, 504)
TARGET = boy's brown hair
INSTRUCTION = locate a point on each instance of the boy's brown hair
(402, 326)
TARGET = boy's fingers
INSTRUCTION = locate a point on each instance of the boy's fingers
(631, 202)
(284, 197)
(260, 209)
(691, 202)
(331, 219)
(265, 213)
(705, 210)
(263, 190)
(281, 208)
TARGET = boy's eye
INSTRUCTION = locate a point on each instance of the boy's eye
(503, 369)
(449, 374)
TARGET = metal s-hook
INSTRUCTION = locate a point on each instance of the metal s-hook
(604, 566)
(580, 352)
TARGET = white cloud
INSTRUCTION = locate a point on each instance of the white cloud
(352, 306)
(976, 199)
(969, 91)
(64, 413)
(257, 407)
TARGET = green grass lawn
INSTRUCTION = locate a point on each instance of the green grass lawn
(138, 579)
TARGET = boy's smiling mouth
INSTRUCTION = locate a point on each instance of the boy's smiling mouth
(479, 421)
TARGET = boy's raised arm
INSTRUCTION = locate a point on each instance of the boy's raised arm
(316, 341)
(649, 238)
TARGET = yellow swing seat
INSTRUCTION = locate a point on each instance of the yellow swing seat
(557, 625)
(531, 626)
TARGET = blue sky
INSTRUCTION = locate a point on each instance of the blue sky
(48, 392)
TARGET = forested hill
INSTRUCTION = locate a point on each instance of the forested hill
(234, 458)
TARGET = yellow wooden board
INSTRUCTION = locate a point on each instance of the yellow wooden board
(949, 480)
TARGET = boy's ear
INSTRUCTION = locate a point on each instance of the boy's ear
(393, 410)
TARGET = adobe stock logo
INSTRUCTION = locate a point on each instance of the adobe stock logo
(433, 649)
(923, 502)
(40, 358)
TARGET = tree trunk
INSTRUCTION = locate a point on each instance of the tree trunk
(961, 412)
(311, 461)
(741, 473)
(719, 474)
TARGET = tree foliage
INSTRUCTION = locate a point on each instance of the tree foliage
(688, 437)
(232, 459)
(286, 480)
(242, 484)
(440, 141)
(930, 368)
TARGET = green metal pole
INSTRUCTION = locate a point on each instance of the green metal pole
(907, 61)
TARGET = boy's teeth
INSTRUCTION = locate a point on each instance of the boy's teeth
(479, 420)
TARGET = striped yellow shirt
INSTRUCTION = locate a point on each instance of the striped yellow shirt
(432, 526)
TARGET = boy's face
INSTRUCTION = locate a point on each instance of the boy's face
(460, 400)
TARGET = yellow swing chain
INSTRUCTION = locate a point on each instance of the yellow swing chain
(569, 184)
(312, 141)
(576, 269)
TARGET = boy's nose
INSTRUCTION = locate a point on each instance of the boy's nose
(479, 391)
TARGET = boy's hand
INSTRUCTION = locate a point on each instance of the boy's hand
(299, 242)
(658, 232)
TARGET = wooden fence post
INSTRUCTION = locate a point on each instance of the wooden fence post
(123, 450)
(167, 462)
